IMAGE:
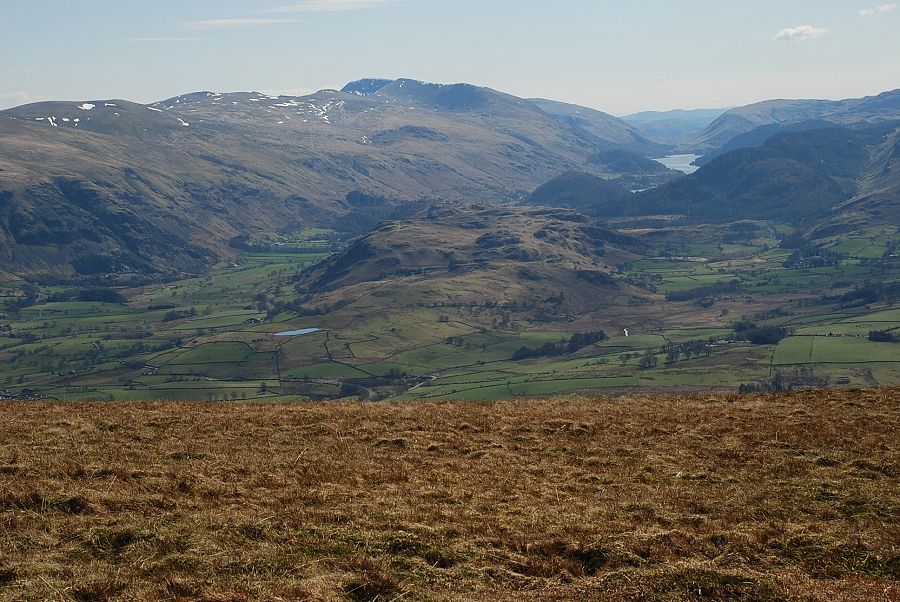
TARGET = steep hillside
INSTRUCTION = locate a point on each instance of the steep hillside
(599, 128)
(877, 200)
(884, 107)
(133, 192)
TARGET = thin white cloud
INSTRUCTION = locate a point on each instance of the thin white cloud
(151, 40)
(801, 33)
(233, 23)
(878, 10)
(330, 6)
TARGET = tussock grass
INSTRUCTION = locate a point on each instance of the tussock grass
(754, 498)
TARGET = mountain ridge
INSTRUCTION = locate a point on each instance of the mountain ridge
(881, 107)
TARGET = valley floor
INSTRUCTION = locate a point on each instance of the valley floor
(757, 497)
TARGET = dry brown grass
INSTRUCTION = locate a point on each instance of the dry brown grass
(754, 498)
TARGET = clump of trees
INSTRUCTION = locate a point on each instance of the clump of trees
(171, 316)
(689, 349)
(706, 292)
(28, 298)
(577, 341)
(807, 255)
(785, 381)
(93, 295)
(760, 335)
(648, 361)
(883, 336)
(870, 292)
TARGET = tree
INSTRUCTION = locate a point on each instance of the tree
(648, 361)
(883, 336)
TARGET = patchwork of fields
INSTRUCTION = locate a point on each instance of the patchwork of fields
(211, 337)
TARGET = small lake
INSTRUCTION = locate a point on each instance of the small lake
(296, 333)
(680, 163)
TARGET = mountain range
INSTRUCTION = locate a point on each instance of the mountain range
(110, 188)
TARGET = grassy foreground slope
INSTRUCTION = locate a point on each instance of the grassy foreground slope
(760, 497)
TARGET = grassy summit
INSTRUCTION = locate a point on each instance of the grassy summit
(762, 497)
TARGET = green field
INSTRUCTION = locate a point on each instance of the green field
(835, 350)
(212, 336)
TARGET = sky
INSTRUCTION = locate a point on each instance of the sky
(614, 55)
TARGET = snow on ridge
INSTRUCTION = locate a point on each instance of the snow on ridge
(155, 109)
(86, 106)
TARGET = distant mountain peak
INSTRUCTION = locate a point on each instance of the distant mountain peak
(366, 86)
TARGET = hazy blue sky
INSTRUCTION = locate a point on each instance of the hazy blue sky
(618, 56)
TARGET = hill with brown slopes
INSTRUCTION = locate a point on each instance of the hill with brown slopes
(111, 186)
(759, 498)
(481, 254)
